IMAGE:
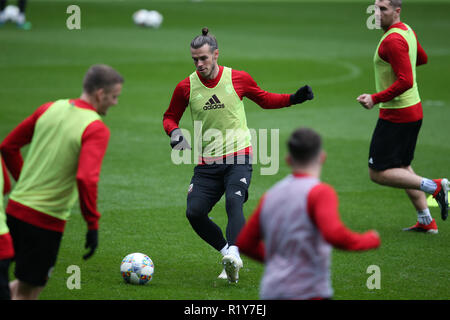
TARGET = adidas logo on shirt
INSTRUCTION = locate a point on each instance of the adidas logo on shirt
(213, 103)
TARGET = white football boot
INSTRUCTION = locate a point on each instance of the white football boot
(232, 264)
(223, 275)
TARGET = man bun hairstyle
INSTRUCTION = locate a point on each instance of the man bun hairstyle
(205, 38)
(100, 76)
(396, 3)
(304, 145)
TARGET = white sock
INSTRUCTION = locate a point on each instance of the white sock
(224, 250)
(234, 250)
(424, 216)
(428, 186)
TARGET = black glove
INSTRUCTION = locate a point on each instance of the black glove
(302, 94)
(91, 243)
(177, 140)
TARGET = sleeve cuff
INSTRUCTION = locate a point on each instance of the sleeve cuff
(93, 225)
(375, 98)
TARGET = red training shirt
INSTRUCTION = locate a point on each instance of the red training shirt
(322, 207)
(6, 244)
(94, 143)
(394, 50)
(243, 84)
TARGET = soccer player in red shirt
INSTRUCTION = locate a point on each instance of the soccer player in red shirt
(214, 95)
(67, 141)
(395, 136)
(295, 225)
(6, 245)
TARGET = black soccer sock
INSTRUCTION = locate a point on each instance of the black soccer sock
(208, 231)
(237, 181)
(197, 214)
(234, 207)
(22, 4)
(2, 5)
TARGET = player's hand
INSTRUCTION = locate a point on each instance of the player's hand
(91, 243)
(177, 140)
(366, 101)
(373, 239)
(302, 94)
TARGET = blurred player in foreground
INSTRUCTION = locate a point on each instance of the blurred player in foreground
(295, 225)
(395, 136)
(68, 141)
(6, 244)
(214, 94)
(19, 19)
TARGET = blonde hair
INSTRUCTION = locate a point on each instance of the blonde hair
(100, 76)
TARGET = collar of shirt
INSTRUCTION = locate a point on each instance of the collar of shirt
(82, 104)
(399, 25)
(301, 175)
(210, 83)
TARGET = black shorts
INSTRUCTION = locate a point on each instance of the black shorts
(211, 181)
(393, 144)
(36, 250)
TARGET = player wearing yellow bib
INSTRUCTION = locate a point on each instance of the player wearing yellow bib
(67, 142)
(214, 95)
(6, 244)
(395, 136)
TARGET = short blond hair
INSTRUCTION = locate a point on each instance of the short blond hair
(100, 76)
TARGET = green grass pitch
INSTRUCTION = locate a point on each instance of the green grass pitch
(283, 45)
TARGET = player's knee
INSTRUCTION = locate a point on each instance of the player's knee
(376, 176)
(196, 209)
(235, 200)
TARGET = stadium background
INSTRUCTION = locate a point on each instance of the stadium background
(283, 45)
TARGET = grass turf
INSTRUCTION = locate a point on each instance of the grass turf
(283, 45)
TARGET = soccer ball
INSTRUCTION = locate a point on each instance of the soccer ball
(137, 268)
(139, 17)
(146, 18)
(154, 19)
